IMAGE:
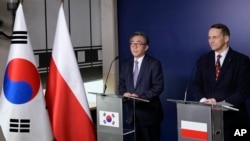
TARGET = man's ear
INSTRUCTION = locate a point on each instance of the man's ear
(227, 38)
(146, 48)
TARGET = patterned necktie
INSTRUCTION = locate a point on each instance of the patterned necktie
(217, 67)
(136, 72)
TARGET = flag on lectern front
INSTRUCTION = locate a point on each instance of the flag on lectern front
(23, 115)
(194, 130)
(65, 94)
(107, 118)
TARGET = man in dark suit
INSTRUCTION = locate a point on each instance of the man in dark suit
(148, 85)
(226, 80)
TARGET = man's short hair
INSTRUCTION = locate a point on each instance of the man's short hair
(225, 30)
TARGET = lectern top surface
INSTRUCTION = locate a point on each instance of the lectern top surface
(216, 106)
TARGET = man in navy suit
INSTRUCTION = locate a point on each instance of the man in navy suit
(148, 85)
(232, 83)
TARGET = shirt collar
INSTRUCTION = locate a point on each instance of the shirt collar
(139, 59)
(223, 54)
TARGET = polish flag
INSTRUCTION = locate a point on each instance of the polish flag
(194, 130)
(23, 114)
(65, 94)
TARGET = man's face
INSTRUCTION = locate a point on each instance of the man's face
(217, 41)
(137, 46)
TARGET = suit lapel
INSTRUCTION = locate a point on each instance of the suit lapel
(226, 63)
(142, 70)
(131, 75)
(211, 68)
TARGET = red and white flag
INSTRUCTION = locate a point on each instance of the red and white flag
(65, 94)
(23, 115)
(194, 130)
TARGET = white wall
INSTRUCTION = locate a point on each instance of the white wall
(110, 43)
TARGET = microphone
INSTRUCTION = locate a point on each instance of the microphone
(105, 85)
(188, 83)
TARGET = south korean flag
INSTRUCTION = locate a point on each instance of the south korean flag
(109, 118)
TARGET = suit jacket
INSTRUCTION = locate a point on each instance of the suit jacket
(233, 84)
(150, 84)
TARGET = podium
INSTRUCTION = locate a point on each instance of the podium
(114, 121)
(197, 121)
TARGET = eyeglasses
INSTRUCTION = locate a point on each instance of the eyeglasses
(137, 44)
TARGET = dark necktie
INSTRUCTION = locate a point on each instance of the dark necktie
(217, 67)
(136, 72)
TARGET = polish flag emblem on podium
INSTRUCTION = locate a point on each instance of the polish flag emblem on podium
(194, 130)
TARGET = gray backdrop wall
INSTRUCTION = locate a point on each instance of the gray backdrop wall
(84, 23)
(178, 33)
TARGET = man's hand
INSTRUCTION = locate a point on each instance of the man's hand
(127, 94)
(134, 95)
(211, 101)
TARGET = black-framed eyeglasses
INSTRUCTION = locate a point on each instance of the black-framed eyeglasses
(137, 44)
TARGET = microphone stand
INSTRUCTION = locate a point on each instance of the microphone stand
(105, 85)
(185, 95)
(189, 80)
